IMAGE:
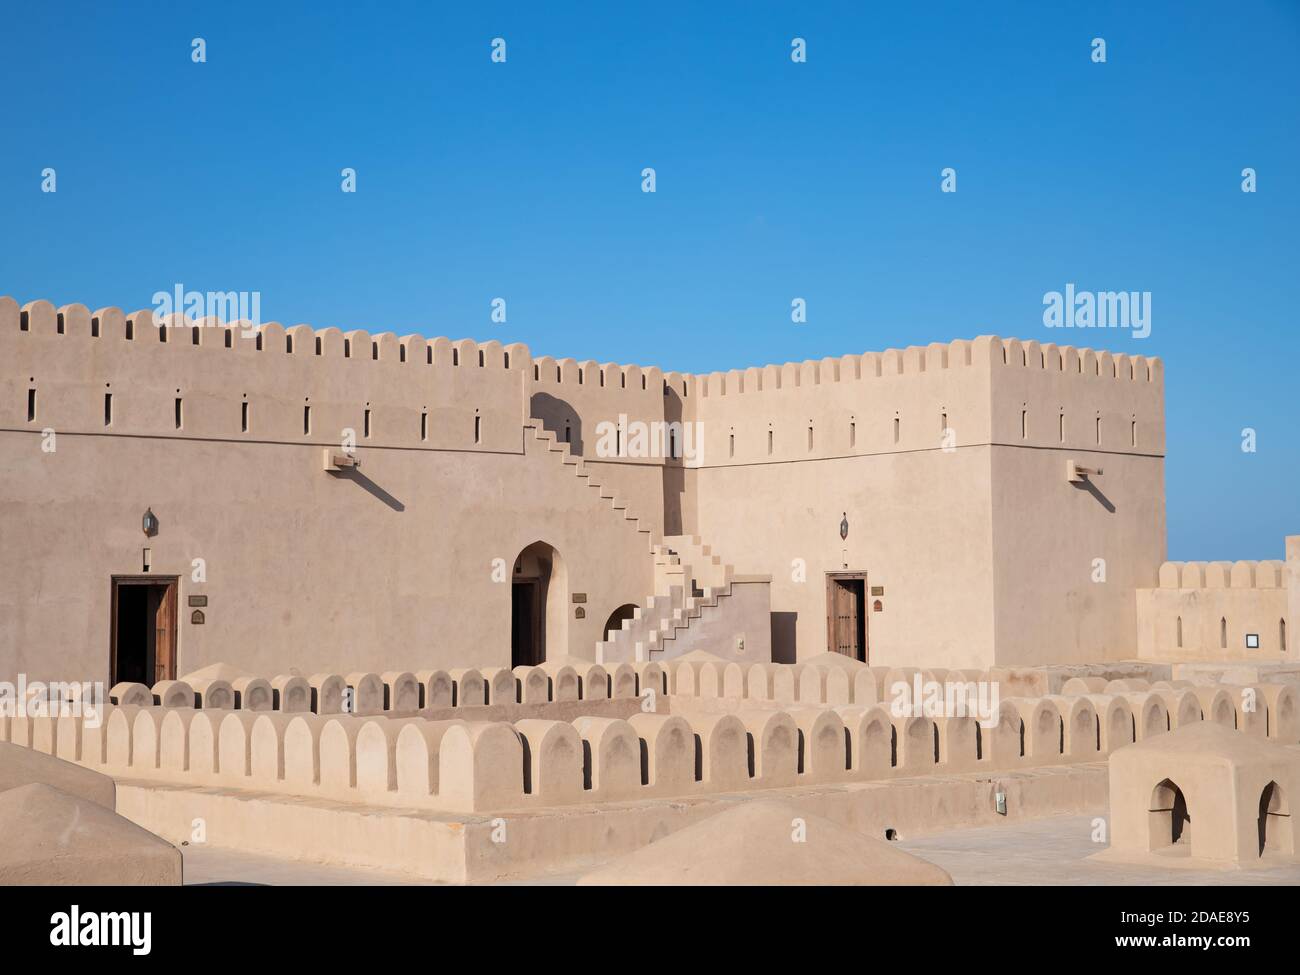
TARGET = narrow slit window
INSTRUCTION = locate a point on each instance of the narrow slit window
(1098, 429)
(31, 404)
(1223, 633)
(478, 429)
(424, 426)
(1024, 424)
(243, 416)
(108, 409)
(897, 429)
(731, 445)
(306, 420)
(853, 434)
(365, 428)
(1178, 632)
(180, 415)
(1060, 427)
(810, 437)
(770, 441)
(943, 422)
(1133, 433)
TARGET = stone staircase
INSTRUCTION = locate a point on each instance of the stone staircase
(548, 440)
(691, 582)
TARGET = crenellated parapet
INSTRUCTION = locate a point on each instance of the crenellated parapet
(1219, 611)
(83, 370)
(983, 391)
(77, 371)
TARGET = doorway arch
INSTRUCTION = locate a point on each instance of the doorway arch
(539, 597)
(1170, 824)
(616, 618)
(1274, 821)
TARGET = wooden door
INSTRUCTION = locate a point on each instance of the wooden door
(142, 630)
(846, 619)
(164, 647)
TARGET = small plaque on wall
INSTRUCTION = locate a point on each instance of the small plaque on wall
(579, 597)
(877, 590)
(877, 606)
(579, 613)
(197, 617)
(198, 600)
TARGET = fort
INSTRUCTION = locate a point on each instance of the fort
(377, 600)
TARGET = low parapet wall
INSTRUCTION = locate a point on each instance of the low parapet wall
(456, 765)
(398, 693)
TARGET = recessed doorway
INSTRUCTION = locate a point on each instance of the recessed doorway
(846, 614)
(539, 604)
(143, 632)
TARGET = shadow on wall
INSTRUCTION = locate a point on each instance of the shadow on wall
(372, 488)
(1095, 491)
(674, 478)
(559, 418)
(783, 642)
(674, 488)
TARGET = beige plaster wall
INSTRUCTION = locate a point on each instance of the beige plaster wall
(388, 569)
(1204, 610)
(950, 461)
(947, 459)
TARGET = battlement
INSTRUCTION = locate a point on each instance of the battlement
(1263, 574)
(445, 394)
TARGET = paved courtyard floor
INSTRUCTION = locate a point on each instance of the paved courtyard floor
(1054, 851)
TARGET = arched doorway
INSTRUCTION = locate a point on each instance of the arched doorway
(539, 596)
(616, 618)
(1274, 821)
(1170, 824)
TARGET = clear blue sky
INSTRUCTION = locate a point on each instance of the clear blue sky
(775, 180)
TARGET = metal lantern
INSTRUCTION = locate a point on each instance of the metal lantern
(844, 526)
(149, 523)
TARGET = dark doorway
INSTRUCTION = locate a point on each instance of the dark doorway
(143, 648)
(1170, 822)
(846, 614)
(526, 631)
(1274, 821)
(616, 618)
(539, 606)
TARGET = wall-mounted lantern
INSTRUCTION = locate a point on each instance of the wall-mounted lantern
(844, 526)
(149, 523)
